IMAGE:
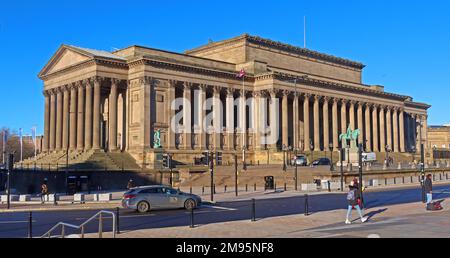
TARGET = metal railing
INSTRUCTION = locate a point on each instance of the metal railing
(82, 226)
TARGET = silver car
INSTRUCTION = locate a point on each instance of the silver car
(155, 197)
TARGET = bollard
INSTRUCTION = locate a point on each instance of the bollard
(192, 219)
(306, 205)
(203, 189)
(117, 221)
(246, 187)
(30, 225)
(214, 187)
(255, 187)
(329, 186)
(253, 210)
(275, 186)
(190, 190)
(225, 189)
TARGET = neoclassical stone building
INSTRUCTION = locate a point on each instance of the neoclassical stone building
(102, 101)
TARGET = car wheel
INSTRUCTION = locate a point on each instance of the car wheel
(143, 207)
(189, 204)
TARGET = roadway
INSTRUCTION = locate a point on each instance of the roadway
(15, 225)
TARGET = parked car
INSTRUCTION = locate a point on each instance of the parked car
(155, 197)
(321, 162)
(301, 160)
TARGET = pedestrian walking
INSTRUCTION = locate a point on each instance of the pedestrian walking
(130, 184)
(44, 191)
(428, 184)
(352, 198)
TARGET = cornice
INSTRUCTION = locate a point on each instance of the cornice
(338, 86)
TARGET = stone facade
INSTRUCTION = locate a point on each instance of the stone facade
(439, 137)
(116, 101)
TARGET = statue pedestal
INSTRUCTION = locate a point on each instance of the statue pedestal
(350, 157)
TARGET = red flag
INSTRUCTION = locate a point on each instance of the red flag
(241, 73)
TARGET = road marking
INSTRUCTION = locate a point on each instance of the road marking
(353, 226)
(15, 221)
(221, 208)
(373, 236)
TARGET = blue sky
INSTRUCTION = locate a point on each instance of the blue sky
(405, 44)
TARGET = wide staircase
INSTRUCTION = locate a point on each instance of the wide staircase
(86, 160)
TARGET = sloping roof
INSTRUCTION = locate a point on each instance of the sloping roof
(96, 53)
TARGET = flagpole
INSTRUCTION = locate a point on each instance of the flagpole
(21, 145)
(243, 121)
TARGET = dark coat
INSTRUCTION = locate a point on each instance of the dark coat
(357, 196)
(428, 185)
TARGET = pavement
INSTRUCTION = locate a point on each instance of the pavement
(393, 212)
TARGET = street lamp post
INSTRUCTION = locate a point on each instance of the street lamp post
(342, 151)
(284, 158)
(360, 151)
(296, 170)
(422, 164)
(211, 168)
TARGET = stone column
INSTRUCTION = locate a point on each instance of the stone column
(257, 119)
(171, 113)
(273, 118)
(389, 128)
(368, 132)
(73, 117)
(242, 124)
(401, 116)
(425, 132)
(217, 118)
(375, 128)
(59, 120)
(326, 125)
(296, 120)
(360, 123)
(382, 129)
(316, 123)
(343, 118)
(200, 111)
(96, 114)
(65, 137)
(53, 120)
(335, 124)
(306, 122)
(47, 121)
(80, 120)
(395, 127)
(284, 118)
(187, 144)
(352, 114)
(112, 115)
(418, 133)
(88, 118)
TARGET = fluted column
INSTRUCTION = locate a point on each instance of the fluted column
(402, 131)
(88, 118)
(217, 119)
(257, 116)
(242, 120)
(316, 123)
(52, 120)
(368, 135)
(344, 118)
(425, 132)
(335, 124)
(352, 115)
(306, 124)
(273, 117)
(284, 118)
(96, 114)
(80, 118)
(46, 146)
(65, 137)
(59, 113)
(418, 132)
(200, 114)
(187, 143)
(382, 130)
(389, 129)
(375, 128)
(171, 114)
(326, 125)
(395, 129)
(296, 120)
(112, 100)
(73, 117)
(360, 123)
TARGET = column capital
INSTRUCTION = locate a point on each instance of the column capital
(187, 85)
(97, 80)
(116, 81)
(326, 99)
(256, 94)
(216, 89)
(334, 100)
(172, 83)
(344, 101)
(317, 97)
(353, 102)
(285, 93)
(361, 104)
(307, 96)
(272, 93)
(46, 93)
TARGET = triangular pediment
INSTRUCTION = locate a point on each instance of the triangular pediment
(63, 58)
